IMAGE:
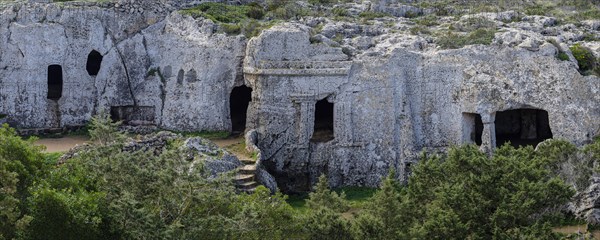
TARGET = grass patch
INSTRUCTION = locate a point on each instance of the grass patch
(368, 15)
(452, 40)
(357, 196)
(240, 150)
(206, 134)
(223, 13)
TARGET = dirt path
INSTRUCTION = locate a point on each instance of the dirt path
(224, 143)
(576, 229)
(235, 145)
(62, 144)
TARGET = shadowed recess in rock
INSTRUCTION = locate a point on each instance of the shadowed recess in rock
(133, 115)
(323, 131)
(94, 62)
(522, 127)
(55, 82)
(238, 106)
(472, 128)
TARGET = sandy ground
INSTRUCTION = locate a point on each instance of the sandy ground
(222, 143)
(62, 144)
(576, 229)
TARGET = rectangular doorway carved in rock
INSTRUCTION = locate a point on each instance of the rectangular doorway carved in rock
(522, 127)
(472, 128)
(323, 127)
(55, 82)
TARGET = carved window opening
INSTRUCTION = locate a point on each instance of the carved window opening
(238, 107)
(94, 62)
(472, 128)
(55, 82)
(522, 127)
(323, 127)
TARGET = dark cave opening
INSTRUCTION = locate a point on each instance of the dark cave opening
(55, 82)
(238, 107)
(522, 127)
(472, 128)
(323, 128)
(94, 62)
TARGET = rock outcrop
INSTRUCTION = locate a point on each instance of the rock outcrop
(170, 70)
(348, 99)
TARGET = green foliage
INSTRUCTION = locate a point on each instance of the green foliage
(324, 197)
(207, 134)
(103, 130)
(386, 209)
(428, 21)
(339, 11)
(565, 160)
(325, 223)
(452, 40)
(588, 64)
(231, 29)
(368, 15)
(416, 30)
(21, 165)
(468, 195)
(321, 2)
(562, 56)
(473, 24)
(223, 13)
(105, 193)
(325, 219)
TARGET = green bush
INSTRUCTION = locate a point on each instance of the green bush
(220, 12)
(322, 2)
(231, 29)
(21, 165)
(338, 11)
(368, 15)
(588, 64)
(106, 193)
(325, 221)
(468, 195)
(562, 56)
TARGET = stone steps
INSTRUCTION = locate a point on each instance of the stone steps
(245, 178)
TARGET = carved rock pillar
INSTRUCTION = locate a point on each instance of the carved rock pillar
(488, 138)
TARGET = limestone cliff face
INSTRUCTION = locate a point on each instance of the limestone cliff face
(168, 69)
(387, 109)
(351, 112)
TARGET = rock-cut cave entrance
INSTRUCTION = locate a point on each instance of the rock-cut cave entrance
(323, 128)
(55, 82)
(238, 107)
(522, 127)
(94, 62)
(472, 128)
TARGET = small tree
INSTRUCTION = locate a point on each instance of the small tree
(325, 220)
(104, 130)
(324, 197)
(385, 209)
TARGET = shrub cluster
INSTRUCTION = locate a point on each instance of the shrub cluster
(106, 193)
(588, 63)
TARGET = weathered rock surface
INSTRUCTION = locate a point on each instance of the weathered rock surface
(173, 71)
(394, 93)
(387, 109)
